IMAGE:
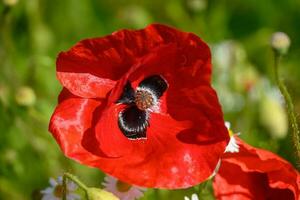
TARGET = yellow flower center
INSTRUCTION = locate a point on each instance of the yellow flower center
(123, 187)
(230, 132)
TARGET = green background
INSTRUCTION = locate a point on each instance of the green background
(33, 32)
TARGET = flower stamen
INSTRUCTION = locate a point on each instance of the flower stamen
(143, 99)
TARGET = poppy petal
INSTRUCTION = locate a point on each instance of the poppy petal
(259, 174)
(71, 120)
(91, 68)
(72, 126)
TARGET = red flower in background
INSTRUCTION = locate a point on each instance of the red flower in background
(256, 174)
(139, 106)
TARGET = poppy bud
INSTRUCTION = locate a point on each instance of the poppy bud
(98, 194)
(135, 16)
(280, 42)
(25, 96)
(253, 173)
(196, 5)
(10, 2)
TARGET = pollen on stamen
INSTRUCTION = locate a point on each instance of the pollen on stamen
(144, 99)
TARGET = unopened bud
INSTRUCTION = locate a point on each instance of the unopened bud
(99, 194)
(280, 42)
(10, 2)
(25, 96)
(196, 5)
(135, 16)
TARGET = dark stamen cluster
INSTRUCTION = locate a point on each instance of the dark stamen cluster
(134, 119)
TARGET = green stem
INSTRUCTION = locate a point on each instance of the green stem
(75, 180)
(64, 188)
(289, 107)
(201, 188)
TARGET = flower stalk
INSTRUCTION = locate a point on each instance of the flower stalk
(75, 180)
(289, 107)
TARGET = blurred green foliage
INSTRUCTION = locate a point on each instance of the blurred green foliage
(33, 32)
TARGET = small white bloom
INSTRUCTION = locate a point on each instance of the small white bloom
(232, 146)
(280, 42)
(227, 124)
(122, 190)
(194, 197)
(54, 192)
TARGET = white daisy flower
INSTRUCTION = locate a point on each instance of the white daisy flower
(194, 197)
(232, 146)
(55, 191)
(122, 190)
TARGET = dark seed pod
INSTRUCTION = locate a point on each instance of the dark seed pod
(144, 99)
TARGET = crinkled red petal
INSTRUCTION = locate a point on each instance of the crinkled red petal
(256, 174)
(91, 68)
(161, 161)
(186, 136)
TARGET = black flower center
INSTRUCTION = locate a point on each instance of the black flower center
(134, 119)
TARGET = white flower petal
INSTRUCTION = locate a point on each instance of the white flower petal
(48, 193)
(48, 190)
(52, 182)
(232, 146)
(73, 197)
(60, 180)
(110, 184)
(194, 197)
(71, 186)
(49, 197)
(227, 124)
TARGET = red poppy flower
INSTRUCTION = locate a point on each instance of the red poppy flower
(255, 174)
(139, 106)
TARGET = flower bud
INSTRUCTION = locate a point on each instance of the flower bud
(25, 96)
(99, 194)
(135, 16)
(196, 5)
(10, 2)
(280, 42)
